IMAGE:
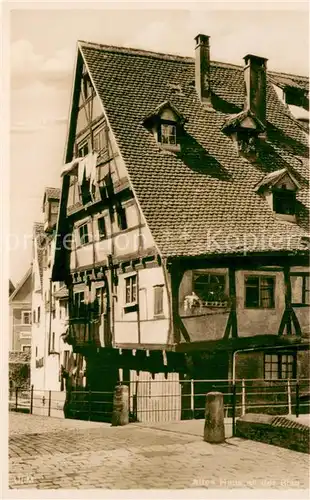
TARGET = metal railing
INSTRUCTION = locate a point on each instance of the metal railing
(155, 401)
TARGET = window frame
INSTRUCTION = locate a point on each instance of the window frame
(304, 289)
(277, 192)
(103, 219)
(128, 283)
(166, 124)
(259, 277)
(77, 304)
(80, 146)
(279, 364)
(84, 224)
(210, 274)
(29, 313)
(158, 312)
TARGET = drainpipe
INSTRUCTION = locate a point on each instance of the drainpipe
(257, 349)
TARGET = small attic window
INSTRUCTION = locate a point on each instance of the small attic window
(166, 123)
(295, 97)
(168, 134)
(284, 201)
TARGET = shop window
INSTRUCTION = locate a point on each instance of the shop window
(259, 292)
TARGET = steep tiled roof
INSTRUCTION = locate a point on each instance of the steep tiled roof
(62, 293)
(52, 193)
(201, 200)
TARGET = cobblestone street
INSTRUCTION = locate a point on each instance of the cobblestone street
(52, 453)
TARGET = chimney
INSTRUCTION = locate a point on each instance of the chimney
(202, 68)
(255, 85)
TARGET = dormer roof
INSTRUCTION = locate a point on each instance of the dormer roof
(274, 178)
(244, 120)
(153, 116)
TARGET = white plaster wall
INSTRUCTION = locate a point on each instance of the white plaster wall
(153, 330)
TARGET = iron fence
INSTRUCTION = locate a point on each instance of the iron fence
(159, 400)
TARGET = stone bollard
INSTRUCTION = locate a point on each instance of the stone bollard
(120, 415)
(214, 430)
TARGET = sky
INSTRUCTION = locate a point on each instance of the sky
(42, 54)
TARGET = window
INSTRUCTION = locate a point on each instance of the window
(85, 191)
(66, 357)
(52, 347)
(131, 290)
(36, 351)
(54, 208)
(26, 348)
(300, 289)
(79, 304)
(102, 228)
(259, 292)
(121, 218)
(82, 150)
(39, 314)
(34, 316)
(100, 144)
(99, 302)
(280, 366)
(158, 300)
(168, 134)
(26, 317)
(295, 97)
(87, 86)
(284, 201)
(210, 287)
(83, 234)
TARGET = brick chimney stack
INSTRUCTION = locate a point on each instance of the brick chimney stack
(202, 68)
(255, 85)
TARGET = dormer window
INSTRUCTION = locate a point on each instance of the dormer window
(279, 189)
(168, 134)
(245, 129)
(166, 123)
(284, 201)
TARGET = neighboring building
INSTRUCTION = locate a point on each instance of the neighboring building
(185, 190)
(20, 315)
(49, 303)
(11, 288)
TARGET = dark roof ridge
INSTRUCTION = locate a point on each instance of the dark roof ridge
(281, 73)
(138, 52)
(172, 57)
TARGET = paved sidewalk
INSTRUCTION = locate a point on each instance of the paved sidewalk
(48, 453)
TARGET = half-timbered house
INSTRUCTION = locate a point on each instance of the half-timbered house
(182, 230)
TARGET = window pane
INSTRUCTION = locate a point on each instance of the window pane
(158, 300)
(284, 202)
(267, 292)
(252, 291)
(102, 227)
(210, 287)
